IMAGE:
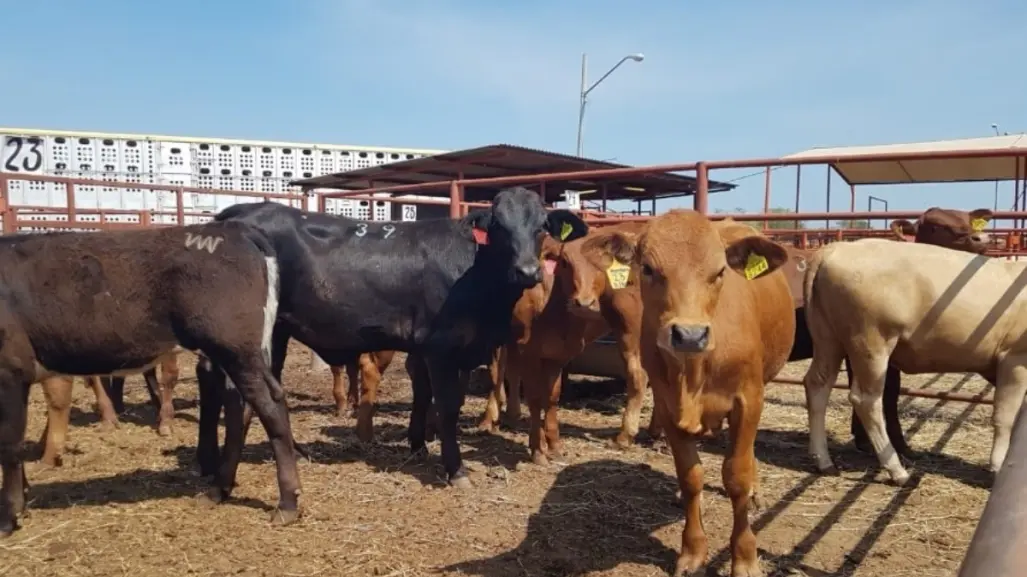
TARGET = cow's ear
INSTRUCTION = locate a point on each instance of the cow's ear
(980, 218)
(565, 226)
(619, 246)
(903, 230)
(754, 256)
(480, 219)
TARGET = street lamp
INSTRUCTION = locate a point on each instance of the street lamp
(583, 97)
(993, 224)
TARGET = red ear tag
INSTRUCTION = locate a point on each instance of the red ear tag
(480, 236)
(908, 238)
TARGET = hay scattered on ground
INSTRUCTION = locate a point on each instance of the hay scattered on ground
(123, 503)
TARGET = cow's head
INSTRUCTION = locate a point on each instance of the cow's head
(512, 229)
(955, 229)
(582, 270)
(681, 263)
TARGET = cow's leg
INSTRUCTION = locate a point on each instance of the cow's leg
(279, 349)
(636, 382)
(250, 376)
(14, 394)
(512, 361)
(154, 388)
(820, 378)
(228, 466)
(497, 396)
(104, 404)
(448, 390)
(420, 382)
(892, 391)
(168, 379)
(536, 392)
(338, 390)
(740, 479)
(370, 378)
(865, 392)
(58, 394)
(211, 383)
(1011, 385)
(551, 374)
(115, 388)
(655, 427)
(694, 545)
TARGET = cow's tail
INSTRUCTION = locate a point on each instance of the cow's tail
(828, 352)
(272, 274)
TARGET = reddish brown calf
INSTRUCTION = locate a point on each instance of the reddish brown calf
(361, 399)
(711, 340)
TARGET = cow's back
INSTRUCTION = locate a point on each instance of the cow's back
(84, 295)
(948, 310)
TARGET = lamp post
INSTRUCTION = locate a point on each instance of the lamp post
(993, 223)
(585, 89)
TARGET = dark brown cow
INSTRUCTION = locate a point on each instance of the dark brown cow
(115, 303)
(711, 340)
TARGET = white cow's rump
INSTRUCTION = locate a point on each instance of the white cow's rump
(928, 309)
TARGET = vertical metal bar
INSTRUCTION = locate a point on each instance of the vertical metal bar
(702, 191)
(766, 197)
(827, 222)
(654, 204)
(180, 205)
(455, 199)
(852, 198)
(993, 551)
(798, 185)
(602, 187)
(69, 191)
(581, 101)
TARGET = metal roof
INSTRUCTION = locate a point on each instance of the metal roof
(869, 165)
(507, 160)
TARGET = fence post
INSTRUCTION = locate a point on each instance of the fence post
(702, 188)
(456, 199)
(69, 191)
(180, 205)
(993, 551)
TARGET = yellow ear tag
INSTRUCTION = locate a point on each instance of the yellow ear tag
(565, 230)
(978, 224)
(755, 265)
(618, 275)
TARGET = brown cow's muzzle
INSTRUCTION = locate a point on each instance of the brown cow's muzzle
(688, 338)
(583, 306)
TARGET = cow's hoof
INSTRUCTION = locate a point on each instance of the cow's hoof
(747, 569)
(211, 498)
(539, 458)
(829, 471)
(487, 427)
(7, 527)
(109, 426)
(622, 441)
(164, 430)
(689, 566)
(461, 481)
(900, 479)
(283, 517)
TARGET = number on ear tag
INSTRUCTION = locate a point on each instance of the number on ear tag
(978, 224)
(565, 230)
(755, 265)
(618, 275)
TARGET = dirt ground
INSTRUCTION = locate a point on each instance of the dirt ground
(123, 502)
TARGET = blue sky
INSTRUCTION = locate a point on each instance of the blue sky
(720, 79)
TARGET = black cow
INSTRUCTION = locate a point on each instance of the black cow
(116, 303)
(441, 290)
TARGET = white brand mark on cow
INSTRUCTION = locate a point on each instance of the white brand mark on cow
(389, 229)
(200, 241)
(361, 229)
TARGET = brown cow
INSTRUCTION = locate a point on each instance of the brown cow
(109, 393)
(118, 302)
(711, 340)
(554, 323)
(362, 400)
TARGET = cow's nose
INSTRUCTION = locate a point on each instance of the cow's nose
(689, 338)
(530, 271)
(584, 302)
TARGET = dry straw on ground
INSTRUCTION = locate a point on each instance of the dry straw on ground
(123, 503)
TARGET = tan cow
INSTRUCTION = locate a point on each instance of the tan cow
(929, 310)
(711, 340)
(362, 399)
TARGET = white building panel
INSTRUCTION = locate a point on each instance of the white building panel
(247, 160)
(175, 158)
(326, 162)
(58, 154)
(138, 156)
(226, 160)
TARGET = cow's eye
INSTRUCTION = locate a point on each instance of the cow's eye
(647, 270)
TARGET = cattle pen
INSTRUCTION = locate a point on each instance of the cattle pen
(574, 498)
